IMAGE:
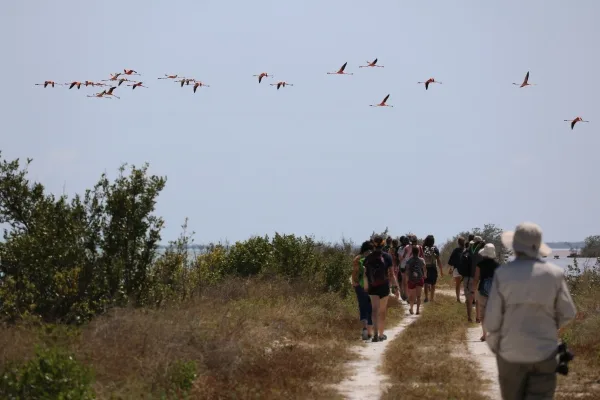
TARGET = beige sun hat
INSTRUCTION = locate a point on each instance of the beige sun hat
(526, 239)
(489, 251)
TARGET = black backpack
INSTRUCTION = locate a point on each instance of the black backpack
(375, 268)
(464, 267)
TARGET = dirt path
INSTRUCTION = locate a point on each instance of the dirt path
(366, 381)
(480, 352)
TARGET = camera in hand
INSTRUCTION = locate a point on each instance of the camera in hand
(564, 356)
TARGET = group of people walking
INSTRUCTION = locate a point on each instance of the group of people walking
(401, 266)
(521, 304)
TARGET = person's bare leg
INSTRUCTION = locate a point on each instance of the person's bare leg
(375, 313)
(477, 316)
(457, 287)
(418, 292)
(469, 304)
(411, 299)
(382, 314)
(432, 295)
(427, 292)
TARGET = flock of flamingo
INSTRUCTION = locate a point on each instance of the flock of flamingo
(116, 79)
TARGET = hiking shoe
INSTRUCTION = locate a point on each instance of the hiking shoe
(375, 339)
(426, 301)
(404, 298)
(382, 338)
(365, 334)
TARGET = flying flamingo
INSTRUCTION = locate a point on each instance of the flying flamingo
(113, 77)
(186, 81)
(46, 83)
(73, 84)
(525, 81)
(100, 95)
(428, 81)
(576, 120)
(110, 92)
(169, 77)
(263, 75)
(371, 64)
(280, 84)
(92, 83)
(130, 72)
(341, 71)
(124, 80)
(137, 84)
(382, 104)
(199, 84)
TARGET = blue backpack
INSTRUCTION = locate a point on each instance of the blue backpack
(486, 287)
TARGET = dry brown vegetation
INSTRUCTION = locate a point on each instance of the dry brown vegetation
(246, 338)
(583, 339)
(429, 359)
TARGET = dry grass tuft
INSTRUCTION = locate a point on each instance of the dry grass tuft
(426, 361)
(583, 340)
(248, 339)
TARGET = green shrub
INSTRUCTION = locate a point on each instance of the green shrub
(181, 376)
(51, 374)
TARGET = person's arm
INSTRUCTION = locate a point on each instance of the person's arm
(391, 276)
(355, 265)
(424, 266)
(476, 277)
(564, 307)
(439, 262)
(494, 315)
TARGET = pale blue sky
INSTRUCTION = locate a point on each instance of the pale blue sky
(243, 158)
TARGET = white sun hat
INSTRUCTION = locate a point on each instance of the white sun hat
(527, 239)
(489, 251)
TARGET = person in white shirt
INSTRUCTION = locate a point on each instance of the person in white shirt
(528, 302)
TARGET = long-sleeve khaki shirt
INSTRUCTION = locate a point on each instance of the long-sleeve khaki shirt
(529, 301)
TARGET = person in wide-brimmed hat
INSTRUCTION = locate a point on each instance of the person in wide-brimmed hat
(484, 273)
(528, 302)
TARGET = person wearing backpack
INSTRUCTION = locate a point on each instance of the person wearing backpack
(379, 273)
(364, 301)
(416, 273)
(431, 255)
(469, 259)
(484, 275)
(404, 254)
(454, 263)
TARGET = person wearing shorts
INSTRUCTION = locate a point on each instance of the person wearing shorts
(454, 262)
(484, 271)
(416, 274)
(431, 255)
(379, 292)
(364, 301)
(404, 254)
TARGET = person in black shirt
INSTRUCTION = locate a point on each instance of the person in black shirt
(484, 274)
(454, 263)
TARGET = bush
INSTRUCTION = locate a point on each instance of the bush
(67, 260)
(51, 374)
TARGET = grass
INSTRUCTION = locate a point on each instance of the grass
(583, 339)
(244, 339)
(428, 360)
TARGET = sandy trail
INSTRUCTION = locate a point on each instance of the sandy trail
(367, 381)
(486, 360)
(480, 352)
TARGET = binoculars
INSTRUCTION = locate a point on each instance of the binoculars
(564, 356)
